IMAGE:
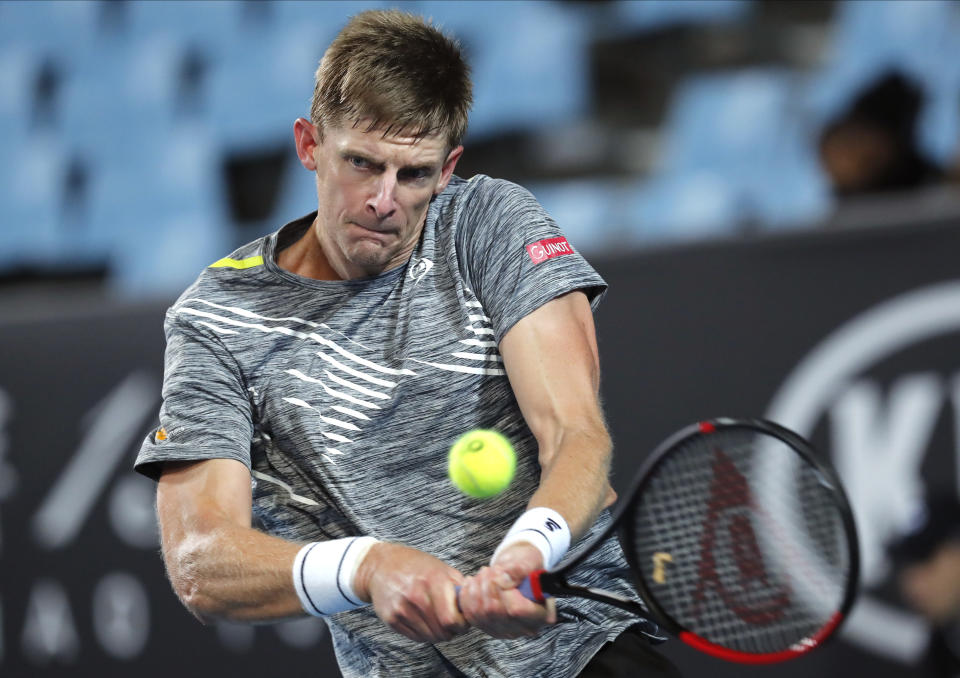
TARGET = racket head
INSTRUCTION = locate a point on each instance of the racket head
(741, 541)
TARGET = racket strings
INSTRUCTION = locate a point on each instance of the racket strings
(765, 566)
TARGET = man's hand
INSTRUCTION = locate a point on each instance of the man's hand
(412, 592)
(491, 602)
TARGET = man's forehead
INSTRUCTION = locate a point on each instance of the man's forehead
(382, 138)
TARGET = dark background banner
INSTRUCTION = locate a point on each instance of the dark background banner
(850, 337)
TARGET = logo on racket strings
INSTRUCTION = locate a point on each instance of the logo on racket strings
(660, 560)
(749, 594)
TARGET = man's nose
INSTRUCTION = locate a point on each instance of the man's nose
(383, 202)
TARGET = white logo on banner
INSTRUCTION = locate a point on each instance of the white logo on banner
(8, 479)
(120, 614)
(8, 475)
(877, 447)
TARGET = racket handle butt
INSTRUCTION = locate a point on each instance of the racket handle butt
(530, 587)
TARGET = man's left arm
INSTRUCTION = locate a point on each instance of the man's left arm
(551, 359)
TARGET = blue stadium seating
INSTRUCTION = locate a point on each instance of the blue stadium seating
(262, 87)
(738, 147)
(265, 80)
(298, 195)
(166, 217)
(30, 183)
(212, 24)
(683, 206)
(629, 15)
(745, 129)
(519, 83)
(589, 211)
(63, 28)
(919, 38)
(18, 64)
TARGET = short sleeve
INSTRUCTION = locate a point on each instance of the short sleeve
(206, 413)
(514, 256)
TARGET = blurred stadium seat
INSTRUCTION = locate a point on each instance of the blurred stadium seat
(589, 211)
(18, 66)
(519, 83)
(30, 183)
(628, 15)
(744, 129)
(683, 206)
(212, 24)
(727, 120)
(166, 218)
(265, 79)
(919, 38)
(62, 27)
(99, 100)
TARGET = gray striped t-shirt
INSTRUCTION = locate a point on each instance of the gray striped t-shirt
(343, 398)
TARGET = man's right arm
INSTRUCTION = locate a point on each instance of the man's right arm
(222, 568)
(219, 566)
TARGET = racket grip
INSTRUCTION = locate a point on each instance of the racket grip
(529, 587)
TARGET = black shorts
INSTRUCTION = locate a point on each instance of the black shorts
(630, 655)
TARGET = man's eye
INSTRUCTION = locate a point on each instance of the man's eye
(358, 162)
(415, 174)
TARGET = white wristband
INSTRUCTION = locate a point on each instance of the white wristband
(544, 529)
(323, 574)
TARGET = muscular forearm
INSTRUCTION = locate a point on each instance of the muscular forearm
(574, 477)
(227, 571)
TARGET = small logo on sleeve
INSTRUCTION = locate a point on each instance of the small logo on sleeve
(548, 249)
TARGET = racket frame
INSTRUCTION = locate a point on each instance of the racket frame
(554, 582)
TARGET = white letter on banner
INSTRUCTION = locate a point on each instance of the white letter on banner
(878, 448)
(121, 615)
(49, 633)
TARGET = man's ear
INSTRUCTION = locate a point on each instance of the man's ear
(307, 138)
(447, 171)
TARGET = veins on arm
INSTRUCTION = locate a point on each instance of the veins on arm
(562, 406)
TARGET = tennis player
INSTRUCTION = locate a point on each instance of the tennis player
(316, 377)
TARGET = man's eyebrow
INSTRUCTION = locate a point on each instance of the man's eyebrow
(415, 167)
(352, 153)
(424, 167)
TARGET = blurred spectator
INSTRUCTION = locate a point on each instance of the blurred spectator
(871, 147)
(928, 574)
(46, 85)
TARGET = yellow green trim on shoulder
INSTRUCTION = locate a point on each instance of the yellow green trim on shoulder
(227, 262)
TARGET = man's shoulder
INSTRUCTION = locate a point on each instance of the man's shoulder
(475, 200)
(228, 277)
(483, 186)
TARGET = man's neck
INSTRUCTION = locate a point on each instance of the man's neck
(306, 258)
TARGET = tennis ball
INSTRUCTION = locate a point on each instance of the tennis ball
(481, 463)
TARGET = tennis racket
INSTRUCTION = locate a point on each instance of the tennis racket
(740, 540)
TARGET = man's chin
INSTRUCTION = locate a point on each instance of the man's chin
(372, 257)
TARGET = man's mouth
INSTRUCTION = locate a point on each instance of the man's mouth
(378, 230)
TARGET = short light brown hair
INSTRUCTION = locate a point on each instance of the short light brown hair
(397, 73)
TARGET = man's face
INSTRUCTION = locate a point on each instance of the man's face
(373, 193)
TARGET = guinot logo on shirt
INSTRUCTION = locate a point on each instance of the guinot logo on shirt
(542, 250)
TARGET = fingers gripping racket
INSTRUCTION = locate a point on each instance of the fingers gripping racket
(740, 541)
